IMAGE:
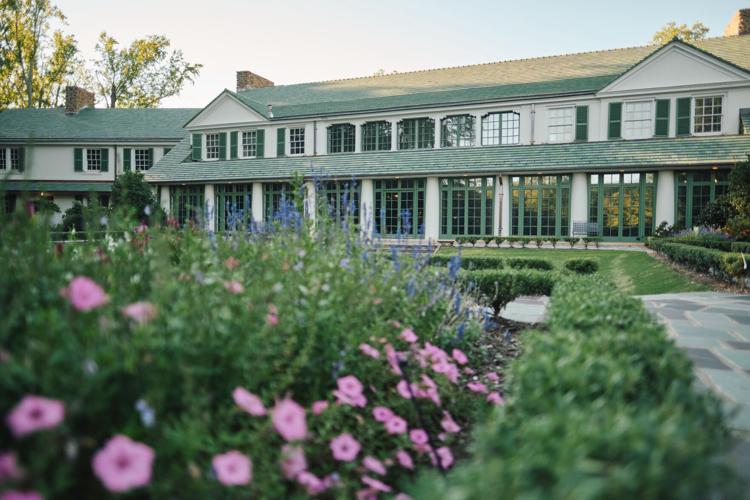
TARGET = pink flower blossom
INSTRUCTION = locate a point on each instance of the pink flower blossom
(233, 468)
(493, 377)
(445, 456)
(477, 387)
(377, 301)
(382, 414)
(408, 335)
(345, 447)
(84, 294)
(272, 319)
(312, 483)
(289, 420)
(395, 323)
(375, 484)
(426, 389)
(396, 425)
(141, 312)
(468, 370)
(319, 407)
(448, 369)
(248, 402)
(449, 424)
(393, 359)
(403, 389)
(369, 350)
(367, 494)
(418, 436)
(231, 263)
(350, 385)
(35, 413)
(293, 461)
(460, 357)
(20, 495)
(123, 464)
(374, 465)
(358, 401)
(495, 398)
(234, 286)
(9, 469)
(404, 460)
(402, 496)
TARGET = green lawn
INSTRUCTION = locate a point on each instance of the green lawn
(636, 273)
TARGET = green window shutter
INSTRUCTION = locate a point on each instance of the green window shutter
(105, 160)
(223, 146)
(197, 147)
(260, 143)
(683, 116)
(78, 160)
(280, 141)
(150, 157)
(21, 159)
(126, 159)
(582, 123)
(233, 145)
(661, 128)
(615, 120)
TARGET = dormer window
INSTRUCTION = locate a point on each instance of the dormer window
(250, 144)
(297, 141)
(93, 160)
(212, 146)
(707, 116)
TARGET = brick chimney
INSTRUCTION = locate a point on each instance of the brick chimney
(739, 24)
(249, 80)
(77, 98)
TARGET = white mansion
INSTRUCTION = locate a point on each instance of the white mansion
(619, 139)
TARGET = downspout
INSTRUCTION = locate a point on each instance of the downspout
(315, 137)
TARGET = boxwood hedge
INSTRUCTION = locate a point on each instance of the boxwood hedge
(474, 262)
(499, 287)
(582, 266)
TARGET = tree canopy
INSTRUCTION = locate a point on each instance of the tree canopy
(671, 30)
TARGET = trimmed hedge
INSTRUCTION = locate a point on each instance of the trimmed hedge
(582, 266)
(740, 246)
(703, 240)
(602, 405)
(725, 265)
(526, 263)
(499, 287)
(491, 262)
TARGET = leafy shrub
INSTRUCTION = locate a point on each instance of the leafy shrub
(569, 432)
(469, 262)
(529, 263)
(664, 229)
(724, 265)
(499, 287)
(739, 227)
(553, 241)
(716, 213)
(582, 266)
(539, 242)
(523, 240)
(571, 240)
(741, 246)
(706, 239)
(130, 192)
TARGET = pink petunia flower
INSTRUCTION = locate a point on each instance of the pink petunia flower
(248, 402)
(393, 359)
(367, 494)
(374, 465)
(20, 495)
(448, 424)
(495, 398)
(403, 389)
(418, 436)
(382, 414)
(408, 335)
(426, 388)
(319, 407)
(445, 456)
(369, 350)
(233, 468)
(404, 460)
(477, 387)
(293, 461)
(396, 425)
(234, 286)
(375, 484)
(84, 294)
(493, 377)
(35, 413)
(289, 420)
(272, 319)
(231, 263)
(9, 469)
(460, 357)
(345, 447)
(123, 464)
(312, 483)
(350, 386)
(141, 312)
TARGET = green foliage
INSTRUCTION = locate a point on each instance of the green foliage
(130, 192)
(741, 246)
(717, 213)
(571, 240)
(553, 241)
(683, 32)
(582, 266)
(499, 287)
(706, 240)
(529, 263)
(724, 265)
(493, 262)
(599, 406)
(739, 227)
(591, 239)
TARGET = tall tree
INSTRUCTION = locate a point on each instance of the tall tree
(142, 74)
(36, 61)
(697, 31)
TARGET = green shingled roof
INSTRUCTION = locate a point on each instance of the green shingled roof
(94, 124)
(70, 187)
(585, 72)
(591, 156)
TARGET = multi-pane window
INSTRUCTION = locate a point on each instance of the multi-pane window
(339, 200)
(233, 205)
(695, 190)
(376, 136)
(540, 205)
(297, 141)
(277, 200)
(15, 158)
(3, 159)
(142, 159)
(501, 128)
(707, 114)
(399, 207)
(94, 159)
(341, 138)
(637, 122)
(212, 146)
(466, 206)
(186, 203)
(561, 124)
(457, 131)
(621, 205)
(416, 133)
(249, 144)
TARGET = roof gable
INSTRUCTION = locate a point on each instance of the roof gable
(225, 109)
(676, 65)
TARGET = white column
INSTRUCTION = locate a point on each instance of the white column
(496, 204)
(358, 137)
(478, 130)
(505, 212)
(579, 199)
(164, 201)
(310, 200)
(367, 207)
(394, 135)
(257, 202)
(437, 131)
(209, 214)
(665, 197)
(432, 209)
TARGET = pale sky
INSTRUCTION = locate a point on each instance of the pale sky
(293, 41)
